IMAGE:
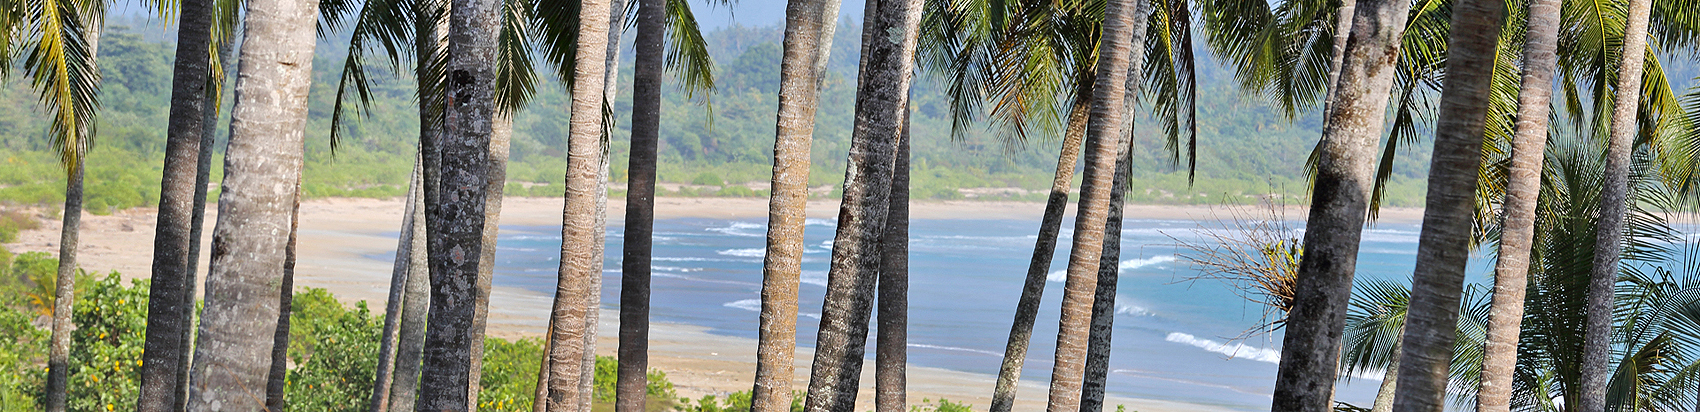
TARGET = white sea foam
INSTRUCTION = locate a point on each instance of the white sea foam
(754, 305)
(954, 349)
(1139, 263)
(1235, 350)
(819, 222)
(1057, 276)
(676, 269)
(813, 277)
(749, 253)
(744, 229)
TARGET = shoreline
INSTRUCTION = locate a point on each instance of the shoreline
(344, 244)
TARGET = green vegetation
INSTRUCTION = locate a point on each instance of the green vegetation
(716, 148)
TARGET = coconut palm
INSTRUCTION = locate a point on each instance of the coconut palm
(276, 378)
(891, 346)
(882, 98)
(1614, 199)
(265, 148)
(1375, 330)
(1517, 223)
(808, 39)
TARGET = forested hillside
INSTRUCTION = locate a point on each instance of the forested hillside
(718, 144)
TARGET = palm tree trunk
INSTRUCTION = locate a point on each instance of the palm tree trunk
(233, 355)
(64, 285)
(382, 383)
(1109, 265)
(280, 338)
(1342, 32)
(457, 225)
(1103, 135)
(1444, 246)
(1614, 205)
(171, 294)
(881, 100)
(640, 207)
(1339, 203)
(891, 346)
(1389, 380)
(578, 230)
(203, 166)
(415, 311)
(64, 290)
(808, 40)
(1033, 289)
(1522, 190)
(501, 134)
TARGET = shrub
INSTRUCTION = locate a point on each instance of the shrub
(707, 179)
(106, 347)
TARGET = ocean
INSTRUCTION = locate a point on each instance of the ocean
(1174, 338)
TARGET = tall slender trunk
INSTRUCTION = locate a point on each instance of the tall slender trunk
(64, 291)
(233, 355)
(599, 253)
(1342, 32)
(64, 285)
(574, 291)
(808, 40)
(276, 379)
(640, 207)
(1522, 190)
(891, 346)
(1443, 249)
(382, 383)
(501, 134)
(203, 166)
(1109, 265)
(457, 225)
(415, 311)
(1310, 350)
(171, 295)
(1389, 380)
(1614, 205)
(881, 101)
(1103, 136)
(1044, 249)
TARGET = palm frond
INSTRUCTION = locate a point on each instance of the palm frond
(62, 68)
(385, 22)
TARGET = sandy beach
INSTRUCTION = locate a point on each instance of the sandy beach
(342, 242)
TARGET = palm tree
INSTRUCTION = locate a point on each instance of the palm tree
(891, 346)
(174, 233)
(382, 384)
(1375, 328)
(1614, 199)
(1104, 132)
(584, 158)
(203, 166)
(808, 39)
(1309, 350)
(632, 377)
(276, 378)
(233, 354)
(1444, 248)
(416, 308)
(1517, 227)
(881, 101)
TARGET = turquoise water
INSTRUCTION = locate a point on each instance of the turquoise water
(1174, 338)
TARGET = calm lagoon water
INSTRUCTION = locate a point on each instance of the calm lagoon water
(1174, 339)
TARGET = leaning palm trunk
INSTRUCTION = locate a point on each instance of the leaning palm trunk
(171, 294)
(640, 207)
(233, 354)
(275, 380)
(430, 43)
(64, 285)
(1342, 31)
(501, 134)
(1033, 289)
(1109, 265)
(416, 309)
(203, 166)
(1103, 134)
(610, 75)
(881, 100)
(457, 224)
(808, 39)
(382, 383)
(1311, 347)
(891, 351)
(1522, 188)
(1443, 249)
(1614, 204)
(1389, 379)
(64, 290)
(568, 324)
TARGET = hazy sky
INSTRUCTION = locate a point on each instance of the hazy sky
(756, 13)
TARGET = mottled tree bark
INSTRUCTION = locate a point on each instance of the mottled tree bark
(808, 40)
(891, 346)
(415, 311)
(1339, 203)
(171, 293)
(1342, 32)
(1517, 225)
(640, 207)
(276, 379)
(430, 42)
(1614, 205)
(881, 100)
(385, 378)
(203, 166)
(233, 352)
(578, 270)
(64, 291)
(457, 224)
(501, 135)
